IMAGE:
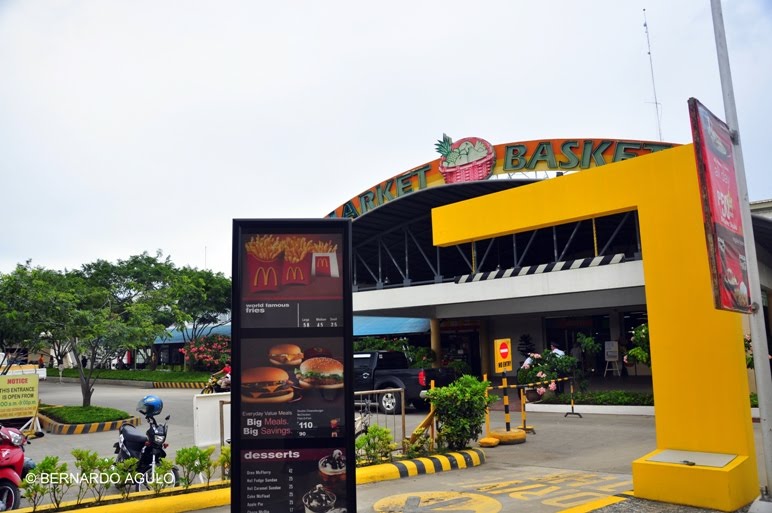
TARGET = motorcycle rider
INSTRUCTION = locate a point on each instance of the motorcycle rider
(225, 381)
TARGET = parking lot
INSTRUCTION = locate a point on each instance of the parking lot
(566, 462)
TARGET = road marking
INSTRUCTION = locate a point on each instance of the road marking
(556, 489)
(426, 502)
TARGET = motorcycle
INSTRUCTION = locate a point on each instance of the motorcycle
(14, 466)
(148, 448)
(213, 386)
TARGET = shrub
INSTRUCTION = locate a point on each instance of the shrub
(460, 411)
(544, 369)
(57, 487)
(375, 446)
(224, 461)
(641, 351)
(193, 461)
(420, 448)
(90, 463)
(34, 490)
(126, 472)
(606, 397)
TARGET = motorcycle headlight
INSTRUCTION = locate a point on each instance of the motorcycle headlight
(17, 438)
(159, 439)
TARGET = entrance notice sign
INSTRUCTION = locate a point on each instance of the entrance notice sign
(502, 349)
(721, 209)
(18, 396)
(292, 352)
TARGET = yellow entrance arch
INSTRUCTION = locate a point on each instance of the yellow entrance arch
(698, 372)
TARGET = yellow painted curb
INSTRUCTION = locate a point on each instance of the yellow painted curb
(147, 501)
(171, 384)
(429, 465)
(51, 426)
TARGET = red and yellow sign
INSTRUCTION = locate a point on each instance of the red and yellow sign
(502, 349)
(521, 159)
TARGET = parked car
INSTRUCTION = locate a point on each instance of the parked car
(378, 370)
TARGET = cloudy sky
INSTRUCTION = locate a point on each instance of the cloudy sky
(131, 126)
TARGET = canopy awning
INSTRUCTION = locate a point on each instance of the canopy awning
(363, 327)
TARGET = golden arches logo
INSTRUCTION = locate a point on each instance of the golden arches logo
(267, 274)
(323, 262)
(294, 273)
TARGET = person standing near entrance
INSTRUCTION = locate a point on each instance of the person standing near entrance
(555, 349)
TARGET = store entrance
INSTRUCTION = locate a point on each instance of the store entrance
(564, 330)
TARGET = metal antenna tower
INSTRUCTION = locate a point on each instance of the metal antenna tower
(653, 84)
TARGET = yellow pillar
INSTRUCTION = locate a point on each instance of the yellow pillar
(434, 324)
(699, 378)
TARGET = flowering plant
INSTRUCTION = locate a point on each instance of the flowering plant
(641, 351)
(208, 353)
(544, 369)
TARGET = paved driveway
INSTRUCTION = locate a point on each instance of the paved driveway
(568, 461)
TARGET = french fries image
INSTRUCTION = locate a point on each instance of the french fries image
(264, 247)
(296, 249)
(324, 247)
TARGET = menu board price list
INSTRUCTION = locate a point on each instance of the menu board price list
(293, 314)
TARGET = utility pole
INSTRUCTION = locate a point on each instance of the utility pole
(758, 332)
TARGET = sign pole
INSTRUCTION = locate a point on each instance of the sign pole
(758, 332)
(505, 386)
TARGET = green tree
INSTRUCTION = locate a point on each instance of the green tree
(203, 301)
(32, 303)
(124, 306)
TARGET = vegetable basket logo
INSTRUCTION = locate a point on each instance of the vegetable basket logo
(466, 160)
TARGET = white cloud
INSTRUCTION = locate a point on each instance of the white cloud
(132, 126)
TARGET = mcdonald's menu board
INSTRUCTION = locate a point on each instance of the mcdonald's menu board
(292, 351)
(292, 280)
(292, 388)
(294, 480)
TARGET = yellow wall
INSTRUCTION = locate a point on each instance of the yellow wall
(699, 377)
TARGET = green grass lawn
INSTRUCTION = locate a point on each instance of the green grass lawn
(81, 415)
(143, 375)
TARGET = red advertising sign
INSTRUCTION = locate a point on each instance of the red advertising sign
(721, 209)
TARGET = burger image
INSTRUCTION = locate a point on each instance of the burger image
(320, 372)
(313, 352)
(266, 385)
(285, 354)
